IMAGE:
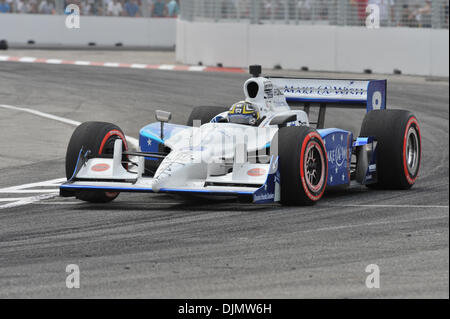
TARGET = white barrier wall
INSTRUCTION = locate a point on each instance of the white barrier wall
(105, 31)
(321, 48)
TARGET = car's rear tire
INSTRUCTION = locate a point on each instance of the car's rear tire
(399, 147)
(205, 114)
(98, 137)
(303, 165)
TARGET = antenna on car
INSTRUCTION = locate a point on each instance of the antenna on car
(255, 70)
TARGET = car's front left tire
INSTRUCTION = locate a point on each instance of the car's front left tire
(99, 138)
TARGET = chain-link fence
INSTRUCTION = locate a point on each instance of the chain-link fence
(412, 13)
(117, 8)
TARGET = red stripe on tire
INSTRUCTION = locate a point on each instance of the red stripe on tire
(409, 178)
(302, 173)
(108, 135)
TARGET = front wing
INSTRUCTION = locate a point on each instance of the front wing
(108, 174)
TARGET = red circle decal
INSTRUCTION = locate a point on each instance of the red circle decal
(100, 167)
(256, 172)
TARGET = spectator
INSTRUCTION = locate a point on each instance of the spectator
(243, 8)
(360, 6)
(4, 7)
(423, 15)
(95, 7)
(405, 14)
(46, 7)
(132, 8)
(445, 15)
(322, 9)
(304, 8)
(387, 14)
(32, 6)
(172, 8)
(267, 9)
(272, 9)
(22, 6)
(158, 8)
(114, 8)
(86, 8)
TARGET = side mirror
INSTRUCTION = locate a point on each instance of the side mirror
(163, 116)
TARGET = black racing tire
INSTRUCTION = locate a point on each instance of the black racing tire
(98, 137)
(205, 114)
(301, 152)
(399, 147)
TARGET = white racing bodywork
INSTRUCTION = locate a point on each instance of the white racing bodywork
(211, 158)
(222, 158)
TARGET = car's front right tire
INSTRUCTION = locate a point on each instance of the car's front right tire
(99, 138)
(204, 114)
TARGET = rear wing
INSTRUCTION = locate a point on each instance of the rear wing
(368, 94)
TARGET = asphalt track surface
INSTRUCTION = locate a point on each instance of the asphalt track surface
(157, 246)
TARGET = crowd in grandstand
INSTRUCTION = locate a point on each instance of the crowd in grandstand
(127, 8)
(411, 13)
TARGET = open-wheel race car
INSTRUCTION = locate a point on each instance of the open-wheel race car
(263, 149)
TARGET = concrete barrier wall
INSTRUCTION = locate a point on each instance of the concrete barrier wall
(106, 31)
(322, 48)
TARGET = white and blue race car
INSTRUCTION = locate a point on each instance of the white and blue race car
(263, 149)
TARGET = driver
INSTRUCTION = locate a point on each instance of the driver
(244, 113)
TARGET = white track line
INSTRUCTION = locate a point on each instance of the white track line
(30, 191)
(60, 203)
(28, 200)
(133, 141)
(22, 189)
(27, 189)
(41, 114)
(52, 182)
(11, 199)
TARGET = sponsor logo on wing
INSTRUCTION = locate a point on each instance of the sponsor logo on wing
(101, 167)
(325, 90)
(256, 172)
(338, 155)
(267, 196)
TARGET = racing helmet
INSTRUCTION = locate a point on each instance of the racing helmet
(244, 113)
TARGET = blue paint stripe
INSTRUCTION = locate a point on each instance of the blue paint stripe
(124, 189)
(212, 192)
(149, 190)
